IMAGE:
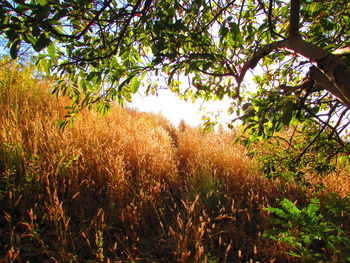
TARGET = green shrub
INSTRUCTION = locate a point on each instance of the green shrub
(313, 233)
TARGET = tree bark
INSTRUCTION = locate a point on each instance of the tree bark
(334, 69)
(294, 19)
(337, 71)
(324, 83)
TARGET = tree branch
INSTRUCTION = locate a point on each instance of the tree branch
(271, 26)
(340, 119)
(269, 18)
(228, 74)
(93, 20)
(333, 68)
(336, 70)
(305, 85)
(342, 51)
(321, 80)
(118, 39)
(326, 124)
(216, 16)
(294, 19)
(311, 143)
(263, 52)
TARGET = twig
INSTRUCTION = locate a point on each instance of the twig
(216, 16)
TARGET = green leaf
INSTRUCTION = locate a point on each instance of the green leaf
(290, 207)
(223, 32)
(62, 124)
(287, 114)
(42, 43)
(82, 84)
(135, 84)
(43, 2)
(14, 49)
(277, 211)
(237, 36)
(313, 207)
(23, 6)
(51, 50)
(314, 7)
(103, 107)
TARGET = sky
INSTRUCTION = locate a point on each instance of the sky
(174, 109)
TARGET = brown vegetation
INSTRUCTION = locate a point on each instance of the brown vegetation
(126, 187)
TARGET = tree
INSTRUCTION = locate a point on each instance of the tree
(104, 50)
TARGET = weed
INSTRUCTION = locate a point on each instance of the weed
(130, 187)
(311, 236)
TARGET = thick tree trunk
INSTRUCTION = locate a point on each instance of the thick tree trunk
(331, 65)
(333, 74)
(323, 82)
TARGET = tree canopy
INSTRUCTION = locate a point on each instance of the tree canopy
(103, 50)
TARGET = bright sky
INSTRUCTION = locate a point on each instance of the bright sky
(174, 109)
(170, 106)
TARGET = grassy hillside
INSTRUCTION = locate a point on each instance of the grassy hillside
(128, 187)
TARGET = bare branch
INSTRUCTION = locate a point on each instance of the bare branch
(269, 18)
(342, 51)
(340, 120)
(294, 19)
(326, 124)
(311, 143)
(271, 26)
(263, 52)
(337, 71)
(321, 80)
(118, 39)
(228, 74)
(94, 19)
(240, 13)
(305, 85)
(216, 16)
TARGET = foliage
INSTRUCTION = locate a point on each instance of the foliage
(127, 186)
(105, 50)
(301, 153)
(155, 193)
(195, 197)
(314, 234)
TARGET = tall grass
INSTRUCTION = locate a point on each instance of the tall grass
(126, 187)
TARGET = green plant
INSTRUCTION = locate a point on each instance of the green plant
(302, 153)
(111, 188)
(310, 235)
(213, 43)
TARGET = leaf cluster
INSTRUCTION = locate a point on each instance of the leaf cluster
(313, 232)
(104, 50)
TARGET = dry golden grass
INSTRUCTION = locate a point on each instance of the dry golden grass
(228, 183)
(338, 183)
(126, 187)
